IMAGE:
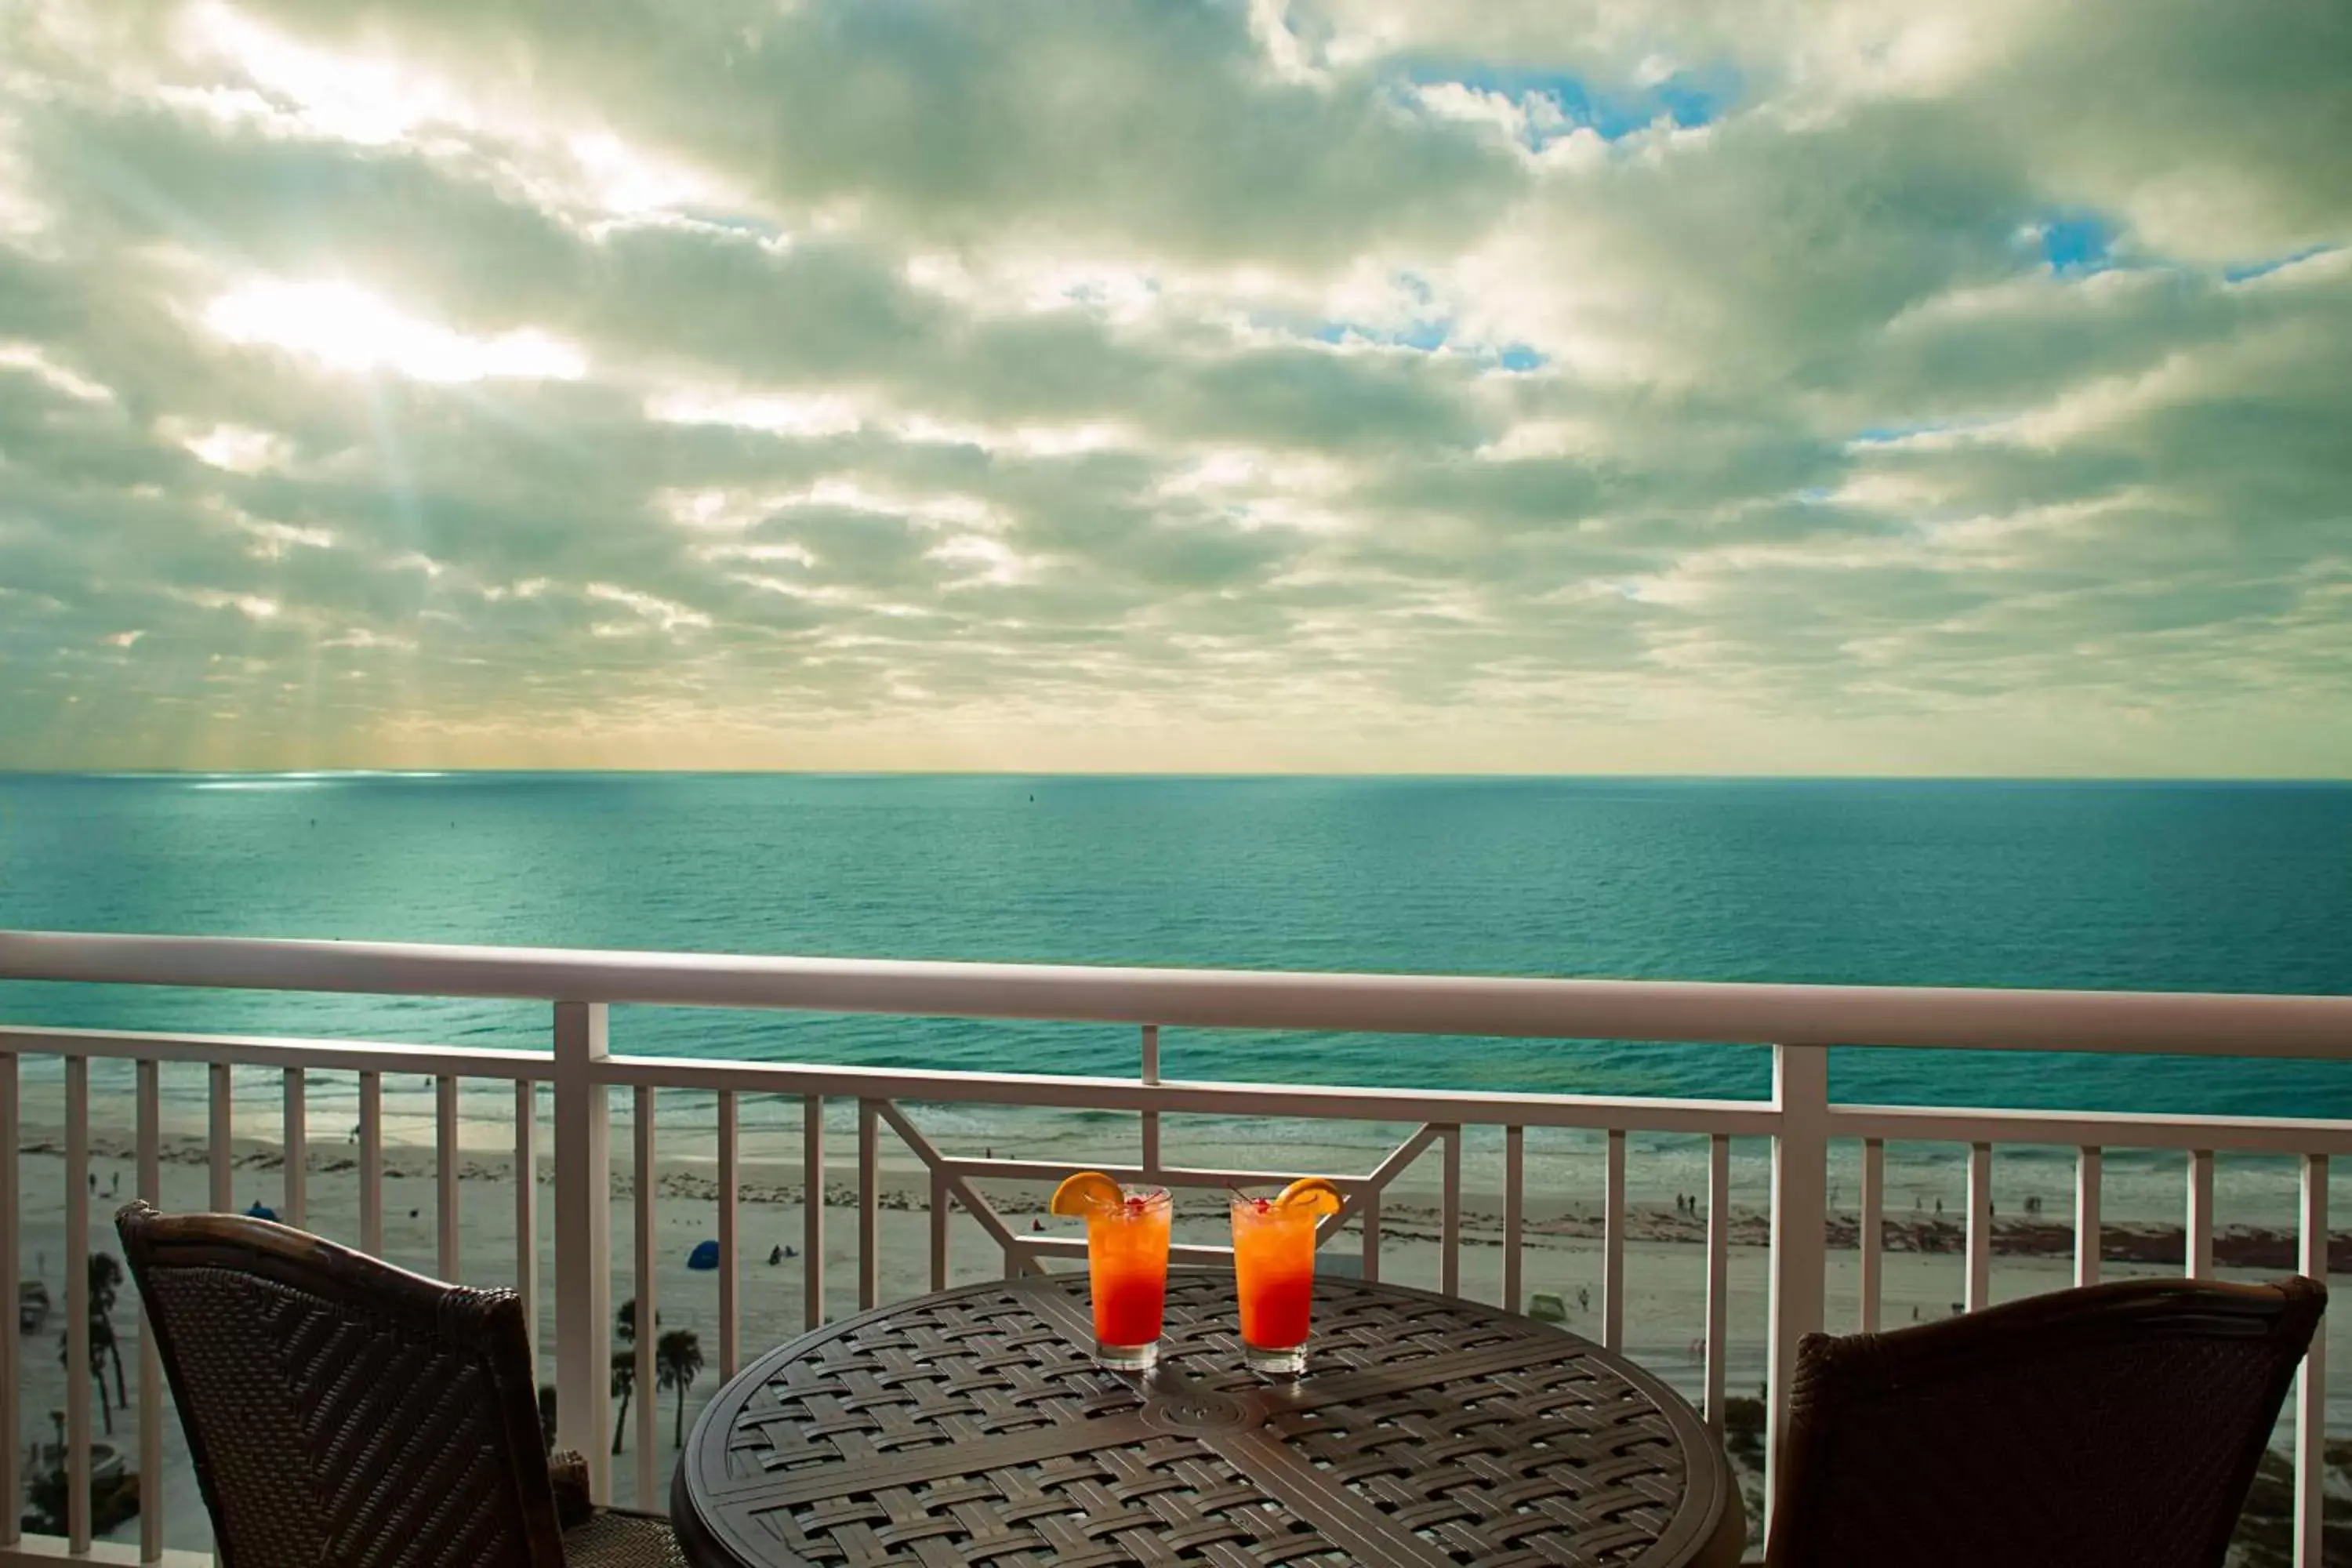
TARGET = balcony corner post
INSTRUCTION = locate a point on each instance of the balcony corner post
(1800, 1092)
(583, 1240)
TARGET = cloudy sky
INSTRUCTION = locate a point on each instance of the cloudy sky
(1576, 385)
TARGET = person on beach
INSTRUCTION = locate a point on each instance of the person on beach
(775, 1255)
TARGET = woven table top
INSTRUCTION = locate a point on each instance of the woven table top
(972, 1426)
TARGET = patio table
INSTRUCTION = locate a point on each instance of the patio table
(972, 1426)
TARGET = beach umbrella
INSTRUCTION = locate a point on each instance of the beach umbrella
(704, 1256)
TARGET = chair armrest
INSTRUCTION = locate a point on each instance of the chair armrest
(567, 1471)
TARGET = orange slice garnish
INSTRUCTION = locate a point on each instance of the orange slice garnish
(1085, 1193)
(1312, 1194)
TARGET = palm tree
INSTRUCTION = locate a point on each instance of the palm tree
(677, 1361)
(101, 1339)
(105, 1282)
(624, 1321)
(624, 1383)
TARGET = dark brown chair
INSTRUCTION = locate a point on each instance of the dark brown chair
(345, 1414)
(2114, 1424)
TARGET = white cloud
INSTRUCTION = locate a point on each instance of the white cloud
(34, 361)
(346, 328)
(1307, 371)
(819, 413)
(238, 449)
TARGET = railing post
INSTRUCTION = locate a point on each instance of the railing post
(526, 1213)
(151, 1357)
(869, 1214)
(583, 1240)
(813, 1211)
(77, 1205)
(1150, 1117)
(223, 1142)
(2311, 1381)
(11, 1419)
(1871, 1232)
(298, 1149)
(1800, 1090)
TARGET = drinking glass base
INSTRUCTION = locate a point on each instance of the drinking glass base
(1285, 1363)
(1128, 1358)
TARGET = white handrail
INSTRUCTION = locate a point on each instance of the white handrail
(2164, 1022)
(1800, 1120)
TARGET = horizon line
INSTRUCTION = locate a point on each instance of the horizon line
(1433, 777)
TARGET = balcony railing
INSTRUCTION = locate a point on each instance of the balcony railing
(1797, 1023)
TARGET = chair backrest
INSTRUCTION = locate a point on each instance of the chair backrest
(342, 1413)
(2119, 1423)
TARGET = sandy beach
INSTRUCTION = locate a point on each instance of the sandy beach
(1664, 1302)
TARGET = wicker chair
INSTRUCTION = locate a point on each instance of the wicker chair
(345, 1414)
(2119, 1423)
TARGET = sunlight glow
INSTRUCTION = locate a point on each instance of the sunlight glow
(349, 329)
(371, 102)
(238, 449)
(821, 414)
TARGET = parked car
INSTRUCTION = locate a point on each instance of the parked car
(32, 1305)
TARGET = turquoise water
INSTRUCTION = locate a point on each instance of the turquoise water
(2164, 887)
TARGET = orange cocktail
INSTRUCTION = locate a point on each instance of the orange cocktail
(1127, 1265)
(1274, 1272)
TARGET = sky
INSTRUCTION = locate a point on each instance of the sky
(1957, 386)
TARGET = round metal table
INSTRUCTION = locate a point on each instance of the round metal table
(972, 1426)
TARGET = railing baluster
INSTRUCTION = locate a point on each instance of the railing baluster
(1978, 1291)
(1150, 1117)
(648, 1309)
(1515, 1173)
(941, 1200)
(445, 1175)
(870, 1205)
(2199, 1249)
(150, 1179)
(372, 1164)
(975, 1202)
(1449, 1256)
(224, 1141)
(78, 1435)
(583, 1240)
(298, 1149)
(1870, 1232)
(730, 1261)
(1612, 1244)
(526, 1213)
(2087, 1225)
(1800, 1092)
(1372, 1218)
(11, 1384)
(2311, 1383)
(812, 1209)
(1718, 1275)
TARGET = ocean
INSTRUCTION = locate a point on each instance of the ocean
(2189, 887)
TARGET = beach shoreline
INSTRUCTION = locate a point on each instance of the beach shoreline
(1563, 1257)
(1409, 1208)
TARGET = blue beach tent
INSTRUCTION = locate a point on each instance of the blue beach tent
(704, 1256)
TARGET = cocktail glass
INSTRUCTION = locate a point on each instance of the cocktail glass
(1273, 1271)
(1127, 1265)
